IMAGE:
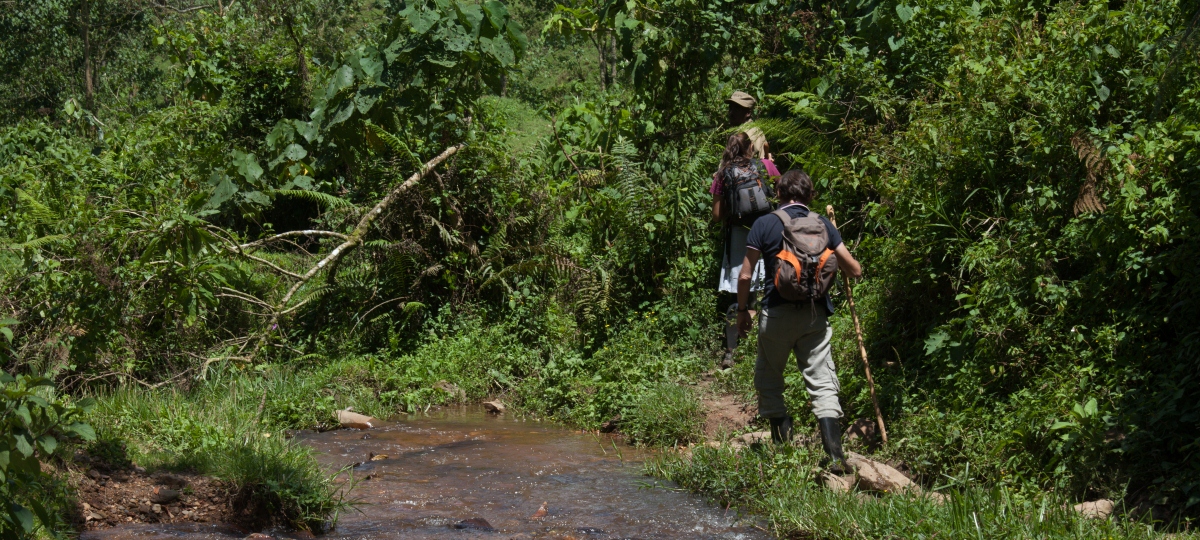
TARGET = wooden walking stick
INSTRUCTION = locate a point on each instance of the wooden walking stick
(861, 348)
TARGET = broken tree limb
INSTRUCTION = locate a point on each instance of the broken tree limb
(290, 234)
(861, 347)
(355, 238)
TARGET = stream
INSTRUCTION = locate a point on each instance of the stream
(460, 472)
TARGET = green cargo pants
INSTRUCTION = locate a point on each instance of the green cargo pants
(803, 329)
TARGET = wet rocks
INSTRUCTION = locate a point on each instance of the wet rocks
(90, 514)
(1100, 509)
(474, 524)
(494, 407)
(611, 424)
(349, 419)
(541, 513)
(164, 496)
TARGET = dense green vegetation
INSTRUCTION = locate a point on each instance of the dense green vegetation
(187, 194)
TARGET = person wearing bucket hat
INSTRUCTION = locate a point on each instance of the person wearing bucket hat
(741, 107)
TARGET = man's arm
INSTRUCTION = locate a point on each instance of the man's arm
(847, 262)
(743, 290)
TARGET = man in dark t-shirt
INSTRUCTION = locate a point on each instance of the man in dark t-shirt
(785, 327)
(766, 236)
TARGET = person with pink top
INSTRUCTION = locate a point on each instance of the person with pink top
(745, 165)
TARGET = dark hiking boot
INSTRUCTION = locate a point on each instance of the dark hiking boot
(831, 437)
(726, 362)
(781, 429)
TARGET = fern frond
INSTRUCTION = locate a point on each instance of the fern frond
(36, 243)
(813, 152)
(323, 199)
(1095, 167)
(394, 143)
(316, 294)
(449, 237)
(40, 213)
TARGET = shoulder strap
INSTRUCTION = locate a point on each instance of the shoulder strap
(783, 216)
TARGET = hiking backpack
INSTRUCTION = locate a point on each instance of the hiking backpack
(747, 193)
(806, 265)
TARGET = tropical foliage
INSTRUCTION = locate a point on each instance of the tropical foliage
(191, 190)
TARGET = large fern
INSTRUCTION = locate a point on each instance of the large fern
(801, 144)
(324, 199)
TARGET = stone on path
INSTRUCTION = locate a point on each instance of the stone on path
(494, 407)
(836, 483)
(875, 476)
(173, 481)
(349, 419)
(1100, 509)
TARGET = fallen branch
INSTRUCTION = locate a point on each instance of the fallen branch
(353, 240)
(289, 234)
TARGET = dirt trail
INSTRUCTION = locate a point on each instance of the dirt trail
(724, 413)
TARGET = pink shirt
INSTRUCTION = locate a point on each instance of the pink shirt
(717, 184)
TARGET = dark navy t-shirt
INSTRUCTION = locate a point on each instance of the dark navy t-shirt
(767, 237)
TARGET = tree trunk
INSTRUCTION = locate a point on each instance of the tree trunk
(85, 20)
(301, 61)
(599, 41)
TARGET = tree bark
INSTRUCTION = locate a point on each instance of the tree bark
(85, 23)
(301, 61)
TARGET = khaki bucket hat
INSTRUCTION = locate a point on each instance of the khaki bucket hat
(743, 99)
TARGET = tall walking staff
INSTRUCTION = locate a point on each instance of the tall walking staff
(861, 348)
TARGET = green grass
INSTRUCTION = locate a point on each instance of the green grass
(779, 483)
(666, 414)
(524, 126)
(214, 430)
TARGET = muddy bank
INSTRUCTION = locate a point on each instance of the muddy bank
(122, 497)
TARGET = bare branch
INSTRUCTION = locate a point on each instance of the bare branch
(353, 240)
(289, 234)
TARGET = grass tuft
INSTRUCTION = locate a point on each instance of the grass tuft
(214, 430)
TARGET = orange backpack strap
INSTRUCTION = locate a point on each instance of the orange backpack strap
(790, 258)
(824, 259)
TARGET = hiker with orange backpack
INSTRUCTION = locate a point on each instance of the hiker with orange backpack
(801, 253)
(741, 190)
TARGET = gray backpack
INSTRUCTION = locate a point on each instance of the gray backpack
(806, 265)
(749, 196)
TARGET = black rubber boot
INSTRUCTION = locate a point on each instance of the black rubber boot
(831, 437)
(781, 430)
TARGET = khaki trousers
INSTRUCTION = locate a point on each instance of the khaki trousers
(802, 329)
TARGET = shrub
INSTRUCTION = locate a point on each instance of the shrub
(666, 414)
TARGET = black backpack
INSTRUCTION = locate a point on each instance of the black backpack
(747, 195)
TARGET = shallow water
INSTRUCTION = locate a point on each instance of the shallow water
(456, 465)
